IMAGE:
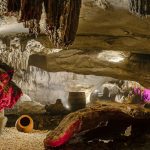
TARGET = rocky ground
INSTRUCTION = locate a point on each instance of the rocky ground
(139, 143)
(11, 139)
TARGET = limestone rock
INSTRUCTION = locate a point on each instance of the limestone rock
(30, 107)
(56, 109)
(3, 121)
(26, 106)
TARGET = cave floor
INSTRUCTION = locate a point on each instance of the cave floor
(11, 139)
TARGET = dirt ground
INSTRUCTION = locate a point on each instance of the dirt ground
(11, 139)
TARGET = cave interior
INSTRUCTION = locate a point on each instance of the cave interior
(75, 74)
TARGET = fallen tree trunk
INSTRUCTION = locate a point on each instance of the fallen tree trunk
(100, 115)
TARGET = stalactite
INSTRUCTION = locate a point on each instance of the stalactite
(13, 5)
(30, 14)
(3, 6)
(62, 20)
(62, 17)
(140, 7)
(16, 56)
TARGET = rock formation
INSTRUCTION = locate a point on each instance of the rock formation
(109, 29)
(113, 116)
(130, 67)
(112, 40)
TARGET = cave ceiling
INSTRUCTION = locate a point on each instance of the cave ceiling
(110, 27)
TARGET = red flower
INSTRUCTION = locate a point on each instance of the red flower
(9, 91)
(4, 79)
(9, 96)
(5, 98)
(16, 93)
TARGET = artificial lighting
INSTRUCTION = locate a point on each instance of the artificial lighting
(67, 107)
(111, 56)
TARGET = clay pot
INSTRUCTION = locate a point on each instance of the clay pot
(25, 124)
(76, 100)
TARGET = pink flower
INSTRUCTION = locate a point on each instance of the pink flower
(146, 95)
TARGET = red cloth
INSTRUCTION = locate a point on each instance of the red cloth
(9, 92)
(4, 79)
(64, 137)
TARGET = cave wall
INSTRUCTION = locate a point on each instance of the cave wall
(128, 66)
(46, 87)
(104, 25)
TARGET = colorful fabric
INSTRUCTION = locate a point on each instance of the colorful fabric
(9, 92)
